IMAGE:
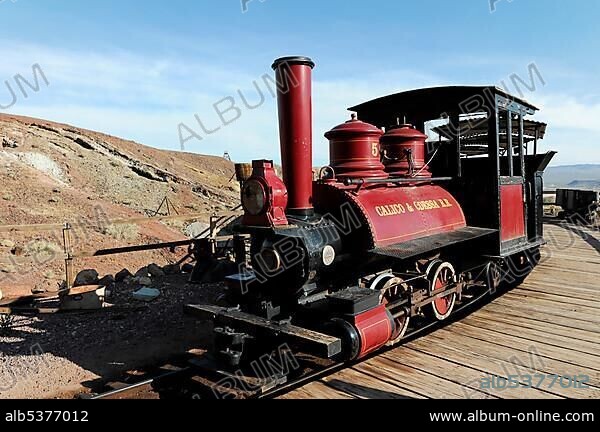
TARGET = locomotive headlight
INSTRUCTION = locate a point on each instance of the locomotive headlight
(254, 198)
(272, 260)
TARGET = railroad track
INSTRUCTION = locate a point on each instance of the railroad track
(128, 392)
(146, 388)
(143, 389)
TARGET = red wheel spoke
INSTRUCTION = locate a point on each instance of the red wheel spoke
(441, 276)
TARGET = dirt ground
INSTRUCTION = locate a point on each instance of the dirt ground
(62, 355)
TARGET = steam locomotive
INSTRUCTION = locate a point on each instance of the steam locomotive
(432, 198)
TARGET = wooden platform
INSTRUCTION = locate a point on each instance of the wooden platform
(549, 326)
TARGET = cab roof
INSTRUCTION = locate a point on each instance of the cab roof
(430, 103)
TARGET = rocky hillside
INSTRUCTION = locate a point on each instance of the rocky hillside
(55, 173)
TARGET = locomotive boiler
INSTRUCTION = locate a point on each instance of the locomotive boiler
(394, 233)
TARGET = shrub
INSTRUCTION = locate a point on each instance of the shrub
(45, 247)
(122, 232)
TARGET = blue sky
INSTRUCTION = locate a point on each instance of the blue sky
(140, 69)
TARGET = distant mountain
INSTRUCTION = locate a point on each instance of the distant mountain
(574, 176)
(585, 184)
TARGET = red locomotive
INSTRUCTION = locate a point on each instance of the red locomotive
(432, 198)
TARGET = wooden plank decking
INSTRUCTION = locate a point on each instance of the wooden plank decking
(548, 326)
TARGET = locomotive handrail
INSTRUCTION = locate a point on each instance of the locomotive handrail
(361, 182)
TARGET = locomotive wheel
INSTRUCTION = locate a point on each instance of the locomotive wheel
(393, 289)
(441, 274)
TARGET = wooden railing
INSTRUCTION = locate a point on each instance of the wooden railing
(216, 221)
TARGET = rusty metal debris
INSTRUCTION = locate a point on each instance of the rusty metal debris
(83, 298)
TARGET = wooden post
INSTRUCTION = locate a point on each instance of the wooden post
(68, 247)
(213, 227)
(161, 206)
(174, 208)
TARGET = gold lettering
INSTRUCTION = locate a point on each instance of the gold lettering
(400, 209)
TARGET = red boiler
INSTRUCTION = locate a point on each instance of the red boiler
(395, 214)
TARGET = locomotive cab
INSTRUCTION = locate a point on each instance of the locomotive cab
(481, 137)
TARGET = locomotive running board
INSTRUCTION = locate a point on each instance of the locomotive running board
(318, 344)
(423, 245)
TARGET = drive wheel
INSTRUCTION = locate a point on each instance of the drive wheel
(441, 274)
(393, 289)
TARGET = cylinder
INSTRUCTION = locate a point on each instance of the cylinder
(355, 151)
(294, 99)
(404, 152)
(362, 334)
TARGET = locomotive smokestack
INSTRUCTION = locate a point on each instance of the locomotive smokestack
(294, 97)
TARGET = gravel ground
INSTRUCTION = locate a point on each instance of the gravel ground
(57, 356)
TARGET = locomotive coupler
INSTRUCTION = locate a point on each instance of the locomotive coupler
(230, 346)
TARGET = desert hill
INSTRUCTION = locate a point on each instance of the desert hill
(56, 173)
